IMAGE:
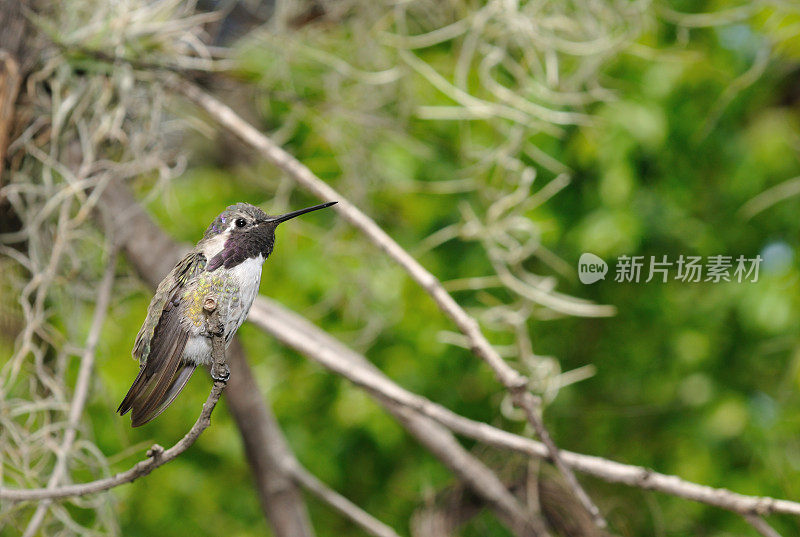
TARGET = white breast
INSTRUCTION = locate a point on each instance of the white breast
(247, 275)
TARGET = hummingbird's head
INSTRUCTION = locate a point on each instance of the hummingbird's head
(235, 220)
(244, 231)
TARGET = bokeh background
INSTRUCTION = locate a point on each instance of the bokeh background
(496, 142)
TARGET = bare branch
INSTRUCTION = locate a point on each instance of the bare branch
(157, 456)
(17, 48)
(296, 332)
(480, 346)
(761, 526)
(10, 81)
(769, 197)
(476, 475)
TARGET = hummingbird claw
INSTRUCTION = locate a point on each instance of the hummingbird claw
(220, 372)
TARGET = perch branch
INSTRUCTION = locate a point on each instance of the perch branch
(156, 455)
(513, 381)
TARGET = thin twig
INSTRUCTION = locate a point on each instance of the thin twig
(480, 346)
(157, 456)
(769, 197)
(761, 526)
(741, 83)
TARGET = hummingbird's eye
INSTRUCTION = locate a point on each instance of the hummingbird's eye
(241, 222)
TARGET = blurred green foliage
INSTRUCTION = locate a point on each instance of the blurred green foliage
(700, 380)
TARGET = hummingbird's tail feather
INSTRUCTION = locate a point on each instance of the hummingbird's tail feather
(179, 380)
(141, 398)
(153, 391)
(137, 388)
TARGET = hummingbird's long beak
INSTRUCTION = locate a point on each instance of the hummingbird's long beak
(288, 216)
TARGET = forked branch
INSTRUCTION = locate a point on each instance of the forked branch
(301, 335)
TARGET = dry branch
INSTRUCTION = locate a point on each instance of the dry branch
(15, 52)
(10, 81)
(761, 526)
(156, 456)
(514, 382)
(296, 332)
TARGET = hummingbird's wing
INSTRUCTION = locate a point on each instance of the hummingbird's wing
(160, 345)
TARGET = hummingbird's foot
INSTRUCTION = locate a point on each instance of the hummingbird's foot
(220, 372)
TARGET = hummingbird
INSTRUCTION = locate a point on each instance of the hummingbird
(226, 263)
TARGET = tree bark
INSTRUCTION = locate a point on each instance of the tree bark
(17, 53)
(266, 449)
